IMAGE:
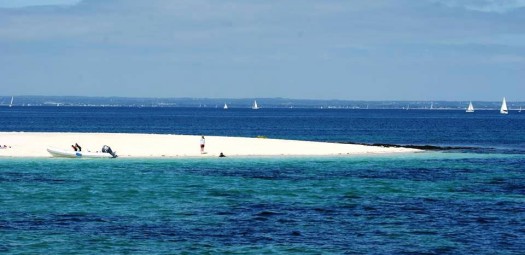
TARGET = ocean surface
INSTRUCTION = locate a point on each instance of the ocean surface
(465, 197)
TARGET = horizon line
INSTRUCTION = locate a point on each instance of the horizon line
(271, 98)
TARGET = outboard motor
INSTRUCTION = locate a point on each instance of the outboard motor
(107, 149)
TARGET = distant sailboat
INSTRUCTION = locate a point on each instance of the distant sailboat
(470, 107)
(225, 107)
(431, 105)
(520, 109)
(11, 104)
(255, 107)
(504, 109)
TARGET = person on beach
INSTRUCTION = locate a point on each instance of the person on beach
(76, 147)
(203, 142)
(222, 155)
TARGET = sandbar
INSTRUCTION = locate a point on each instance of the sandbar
(130, 145)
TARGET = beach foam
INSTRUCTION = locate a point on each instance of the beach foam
(34, 144)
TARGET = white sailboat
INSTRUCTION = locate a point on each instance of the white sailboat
(504, 109)
(520, 109)
(431, 105)
(254, 106)
(225, 107)
(470, 107)
(11, 104)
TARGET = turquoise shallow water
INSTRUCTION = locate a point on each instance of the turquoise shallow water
(467, 199)
(433, 203)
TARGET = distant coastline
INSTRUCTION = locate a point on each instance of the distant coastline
(233, 103)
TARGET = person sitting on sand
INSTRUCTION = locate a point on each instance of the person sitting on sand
(74, 147)
(107, 149)
(78, 146)
(222, 155)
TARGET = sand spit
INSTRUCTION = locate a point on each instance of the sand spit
(35, 144)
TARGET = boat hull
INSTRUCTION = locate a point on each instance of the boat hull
(77, 154)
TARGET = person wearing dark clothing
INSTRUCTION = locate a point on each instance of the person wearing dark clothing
(203, 141)
(107, 149)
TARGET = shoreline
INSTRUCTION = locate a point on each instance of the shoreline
(136, 145)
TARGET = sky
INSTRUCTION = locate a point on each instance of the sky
(301, 49)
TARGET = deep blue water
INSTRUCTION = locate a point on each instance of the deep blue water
(467, 201)
(487, 129)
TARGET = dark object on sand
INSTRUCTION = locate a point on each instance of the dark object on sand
(107, 149)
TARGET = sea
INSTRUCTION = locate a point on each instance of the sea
(464, 195)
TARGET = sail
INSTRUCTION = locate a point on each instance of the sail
(11, 104)
(504, 109)
(225, 106)
(255, 107)
(470, 107)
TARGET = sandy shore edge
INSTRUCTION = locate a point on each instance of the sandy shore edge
(130, 145)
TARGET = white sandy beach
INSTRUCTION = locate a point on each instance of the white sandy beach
(35, 144)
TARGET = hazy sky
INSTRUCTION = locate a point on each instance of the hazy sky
(322, 49)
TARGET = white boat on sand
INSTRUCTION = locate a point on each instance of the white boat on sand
(79, 154)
